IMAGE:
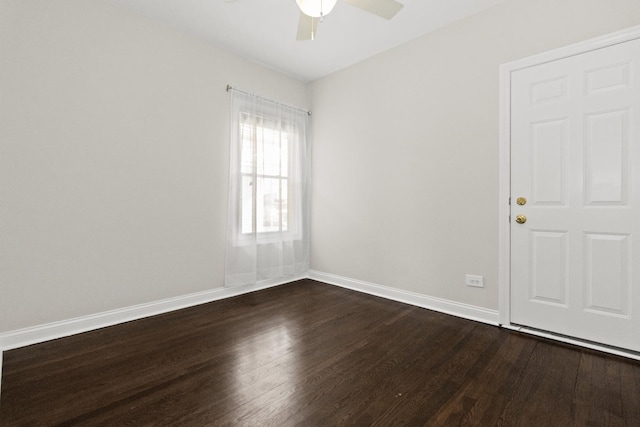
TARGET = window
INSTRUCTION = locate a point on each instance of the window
(268, 227)
(264, 165)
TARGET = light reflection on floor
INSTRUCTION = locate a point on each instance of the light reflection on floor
(266, 365)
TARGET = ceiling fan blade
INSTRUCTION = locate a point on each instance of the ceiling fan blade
(307, 27)
(386, 9)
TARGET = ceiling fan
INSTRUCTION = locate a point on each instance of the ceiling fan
(312, 12)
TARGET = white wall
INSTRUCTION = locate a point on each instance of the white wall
(113, 159)
(113, 154)
(405, 176)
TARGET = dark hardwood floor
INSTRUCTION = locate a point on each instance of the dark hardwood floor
(312, 354)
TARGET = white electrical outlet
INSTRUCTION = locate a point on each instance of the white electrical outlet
(475, 281)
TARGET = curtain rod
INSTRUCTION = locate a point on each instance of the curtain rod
(229, 87)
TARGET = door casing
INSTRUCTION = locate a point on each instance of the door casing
(504, 208)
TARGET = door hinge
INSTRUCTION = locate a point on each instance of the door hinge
(509, 201)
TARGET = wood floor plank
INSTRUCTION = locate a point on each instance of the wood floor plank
(312, 354)
(323, 377)
(629, 386)
(490, 384)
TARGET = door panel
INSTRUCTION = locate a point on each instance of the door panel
(575, 150)
(548, 267)
(548, 157)
(607, 274)
(606, 148)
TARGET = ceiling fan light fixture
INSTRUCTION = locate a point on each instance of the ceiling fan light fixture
(316, 8)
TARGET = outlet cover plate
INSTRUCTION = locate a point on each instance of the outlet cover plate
(474, 281)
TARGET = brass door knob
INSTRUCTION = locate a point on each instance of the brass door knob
(521, 219)
(521, 201)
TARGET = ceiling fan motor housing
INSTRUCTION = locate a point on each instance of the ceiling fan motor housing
(316, 8)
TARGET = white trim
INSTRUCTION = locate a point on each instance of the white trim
(37, 334)
(41, 333)
(601, 42)
(504, 238)
(466, 311)
(64, 328)
(504, 194)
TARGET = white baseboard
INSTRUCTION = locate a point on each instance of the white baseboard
(457, 309)
(46, 332)
(49, 331)
(41, 333)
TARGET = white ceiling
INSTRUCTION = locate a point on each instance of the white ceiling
(265, 30)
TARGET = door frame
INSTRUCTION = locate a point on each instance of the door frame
(504, 208)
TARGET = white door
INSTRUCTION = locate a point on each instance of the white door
(575, 158)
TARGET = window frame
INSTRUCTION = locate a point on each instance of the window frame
(295, 135)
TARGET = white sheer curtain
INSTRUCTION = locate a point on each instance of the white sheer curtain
(268, 226)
